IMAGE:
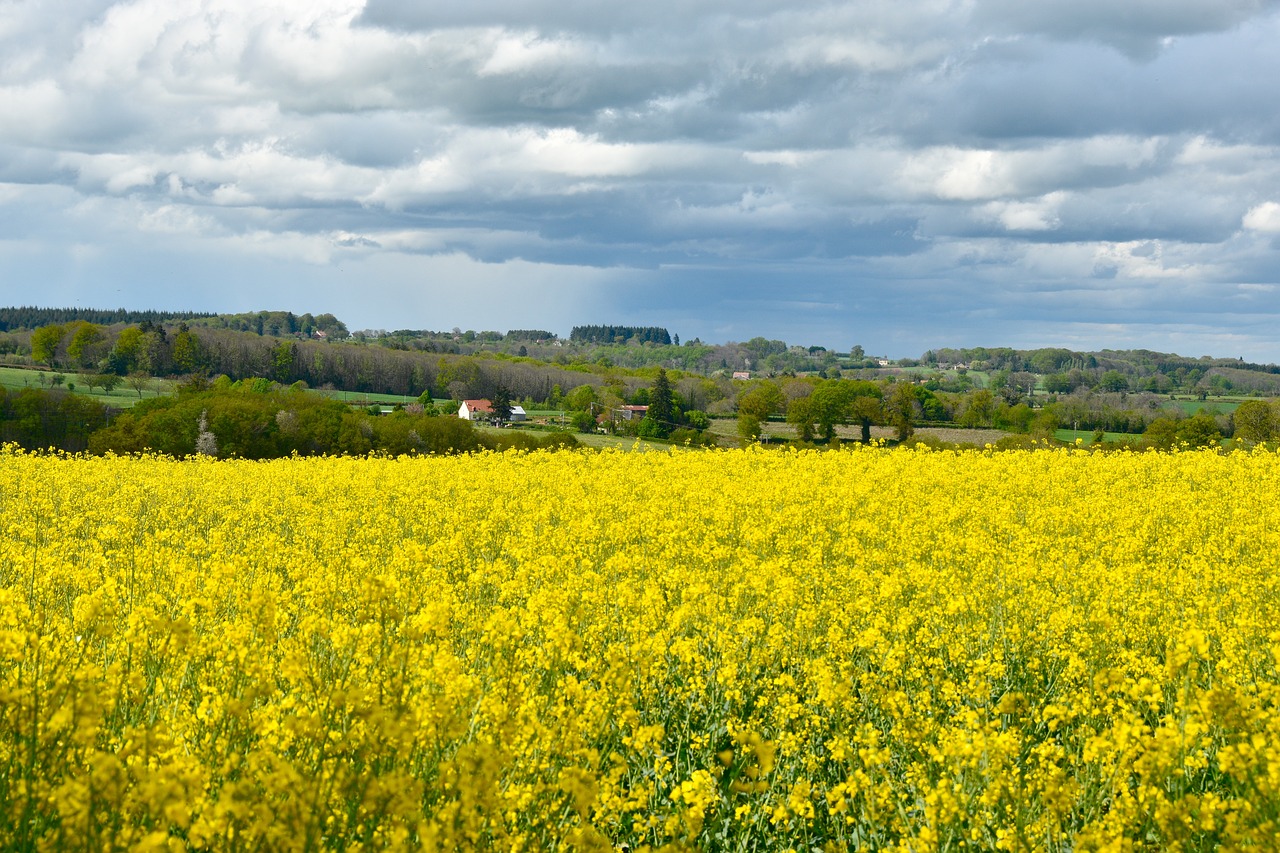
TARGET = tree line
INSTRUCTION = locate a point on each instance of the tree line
(36, 419)
(30, 317)
(815, 408)
(620, 334)
(249, 420)
(1133, 364)
(99, 353)
(279, 324)
(530, 335)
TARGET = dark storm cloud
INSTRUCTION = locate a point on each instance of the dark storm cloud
(1217, 84)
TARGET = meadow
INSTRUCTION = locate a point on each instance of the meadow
(123, 396)
(904, 650)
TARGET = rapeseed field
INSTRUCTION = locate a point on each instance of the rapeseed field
(744, 650)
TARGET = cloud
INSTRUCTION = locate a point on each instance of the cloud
(1139, 28)
(1264, 217)
(1038, 215)
(901, 163)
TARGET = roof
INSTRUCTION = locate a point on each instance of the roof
(636, 408)
(478, 405)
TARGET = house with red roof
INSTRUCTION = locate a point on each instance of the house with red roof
(475, 410)
(482, 410)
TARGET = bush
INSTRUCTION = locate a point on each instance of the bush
(1200, 430)
(930, 441)
(520, 440)
(560, 441)
(692, 438)
(697, 420)
(1019, 442)
(1161, 433)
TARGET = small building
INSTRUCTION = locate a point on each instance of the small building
(744, 375)
(632, 413)
(482, 410)
(475, 410)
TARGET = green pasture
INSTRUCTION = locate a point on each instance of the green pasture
(552, 415)
(123, 397)
(594, 439)
(1085, 436)
(365, 398)
(1216, 407)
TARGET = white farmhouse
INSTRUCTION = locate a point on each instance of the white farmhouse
(475, 410)
(482, 410)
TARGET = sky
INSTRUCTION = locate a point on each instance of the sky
(897, 174)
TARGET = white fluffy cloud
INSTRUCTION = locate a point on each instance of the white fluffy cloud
(1264, 217)
(728, 158)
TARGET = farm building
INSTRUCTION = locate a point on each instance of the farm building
(475, 410)
(479, 410)
(632, 413)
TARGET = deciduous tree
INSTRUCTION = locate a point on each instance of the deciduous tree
(755, 406)
(139, 382)
(1256, 421)
(866, 407)
(1200, 430)
(800, 416)
(86, 344)
(903, 409)
(129, 355)
(45, 342)
(1113, 380)
(835, 402)
(979, 410)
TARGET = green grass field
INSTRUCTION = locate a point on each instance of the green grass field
(364, 398)
(1086, 436)
(1217, 407)
(596, 440)
(122, 397)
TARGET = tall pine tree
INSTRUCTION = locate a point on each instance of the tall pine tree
(662, 409)
(501, 404)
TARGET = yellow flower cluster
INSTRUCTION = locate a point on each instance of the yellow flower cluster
(863, 649)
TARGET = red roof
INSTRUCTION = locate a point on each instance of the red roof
(478, 405)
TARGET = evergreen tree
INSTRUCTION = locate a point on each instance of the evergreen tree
(661, 405)
(501, 403)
